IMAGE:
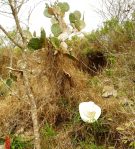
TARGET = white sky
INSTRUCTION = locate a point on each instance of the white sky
(38, 20)
(92, 19)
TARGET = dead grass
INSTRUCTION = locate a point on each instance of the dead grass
(59, 86)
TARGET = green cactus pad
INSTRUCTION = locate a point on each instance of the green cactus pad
(9, 82)
(72, 18)
(63, 6)
(35, 44)
(77, 15)
(55, 42)
(43, 34)
(56, 29)
(79, 25)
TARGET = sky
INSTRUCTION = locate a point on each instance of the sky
(88, 7)
(37, 20)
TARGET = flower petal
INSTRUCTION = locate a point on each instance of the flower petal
(89, 111)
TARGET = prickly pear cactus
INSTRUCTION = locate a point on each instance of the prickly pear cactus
(36, 43)
(55, 42)
(56, 13)
(76, 21)
(63, 6)
(60, 30)
(43, 37)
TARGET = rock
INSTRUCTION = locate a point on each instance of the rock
(109, 91)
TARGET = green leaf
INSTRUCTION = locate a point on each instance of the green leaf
(2, 141)
(79, 25)
(56, 30)
(63, 6)
(77, 15)
(34, 34)
(46, 13)
(9, 82)
(43, 34)
(43, 37)
(55, 42)
(72, 18)
(132, 144)
(35, 43)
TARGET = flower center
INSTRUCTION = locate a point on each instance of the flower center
(91, 115)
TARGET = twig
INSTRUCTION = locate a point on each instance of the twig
(17, 22)
(6, 33)
(76, 59)
(17, 70)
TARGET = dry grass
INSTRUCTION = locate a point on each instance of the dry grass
(59, 86)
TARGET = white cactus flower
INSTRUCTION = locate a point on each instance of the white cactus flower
(64, 46)
(63, 36)
(89, 111)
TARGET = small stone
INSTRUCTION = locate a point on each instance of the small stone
(109, 91)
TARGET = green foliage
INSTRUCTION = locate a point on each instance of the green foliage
(35, 43)
(2, 141)
(111, 59)
(59, 8)
(94, 82)
(132, 144)
(87, 145)
(17, 51)
(72, 18)
(43, 34)
(109, 72)
(129, 29)
(63, 6)
(56, 29)
(79, 25)
(93, 36)
(76, 118)
(86, 51)
(55, 42)
(43, 37)
(20, 143)
(110, 25)
(34, 34)
(98, 127)
(75, 20)
(75, 16)
(48, 131)
(57, 12)
(9, 82)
